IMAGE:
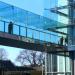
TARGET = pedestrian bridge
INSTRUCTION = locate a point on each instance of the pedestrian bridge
(30, 31)
(30, 38)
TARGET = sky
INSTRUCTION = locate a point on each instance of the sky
(12, 53)
(35, 6)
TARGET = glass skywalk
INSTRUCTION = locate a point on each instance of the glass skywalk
(31, 34)
(21, 16)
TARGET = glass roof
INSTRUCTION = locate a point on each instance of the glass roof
(27, 18)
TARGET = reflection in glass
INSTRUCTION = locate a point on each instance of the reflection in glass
(58, 63)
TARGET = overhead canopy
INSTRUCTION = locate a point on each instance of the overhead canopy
(18, 15)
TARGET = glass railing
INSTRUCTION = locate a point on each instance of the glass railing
(34, 35)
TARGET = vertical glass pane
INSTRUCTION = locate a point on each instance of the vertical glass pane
(50, 4)
(36, 34)
(68, 65)
(16, 29)
(30, 33)
(61, 63)
(47, 37)
(49, 62)
(63, 19)
(54, 38)
(54, 63)
(57, 39)
(22, 31)
(42, 36)
(1, 26)
(6, 27)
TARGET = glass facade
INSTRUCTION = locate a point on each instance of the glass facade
(58, 63)
(26, 18)
(61, 6)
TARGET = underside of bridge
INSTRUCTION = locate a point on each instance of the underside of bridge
(29, 43)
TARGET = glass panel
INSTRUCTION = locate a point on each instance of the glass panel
(6, 27)
(36, 35)
(16, 29)
(68, 64)
(22, 31)
(54, 38)
(57, 39)
(47, 37)
(60, 63)
(30, 33)
(49, 19)
(42, 36)
(57, 63)
(49, 62)
(50, 4)
(1, 26)
(63, 19)
(54, 63)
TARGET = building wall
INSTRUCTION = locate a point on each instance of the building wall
(36, 72)
(59, 63)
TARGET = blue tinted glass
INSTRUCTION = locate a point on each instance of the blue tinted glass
(36, 35)
(22, 31)
(18, 15)
(30, 33)
(42, 36)
(6, 27)
(15, 29)
(47, 37)
(1, 26)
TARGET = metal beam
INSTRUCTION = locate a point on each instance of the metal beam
(55, 10)
(58, 12)
(58, 8)
(50, 29)
(60, 27)
(16, 41)
(61, 7)
(5, 8)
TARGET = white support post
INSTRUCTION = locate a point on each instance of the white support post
(45, 63)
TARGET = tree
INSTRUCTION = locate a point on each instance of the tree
(3, 54)
(32, 57)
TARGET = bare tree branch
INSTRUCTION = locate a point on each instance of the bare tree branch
(33, 57)
(3, 54)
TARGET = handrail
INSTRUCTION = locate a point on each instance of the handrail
(33, 29)
(48, 38)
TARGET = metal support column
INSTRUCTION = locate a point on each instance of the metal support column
(45, 59)
(45, 63)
